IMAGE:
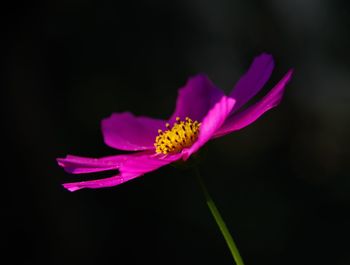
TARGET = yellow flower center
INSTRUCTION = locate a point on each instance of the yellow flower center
(183, 134)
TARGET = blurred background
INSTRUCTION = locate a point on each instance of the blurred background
(282, 184)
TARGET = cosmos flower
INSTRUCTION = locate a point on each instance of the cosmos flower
(202, 112)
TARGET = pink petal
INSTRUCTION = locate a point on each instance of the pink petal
(124, 131)
(211, 123)
(132, 166)
(138, 165)
(196, 98)
(246, 117)
(253, 80)
(94, 184)
(80, 165)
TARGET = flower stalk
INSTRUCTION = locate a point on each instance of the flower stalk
(219, 220)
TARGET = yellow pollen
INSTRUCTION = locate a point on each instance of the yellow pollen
(183, 134)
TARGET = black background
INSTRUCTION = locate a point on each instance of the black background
(282, 184)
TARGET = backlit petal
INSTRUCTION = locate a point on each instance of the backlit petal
(253, 80)
(248, 116)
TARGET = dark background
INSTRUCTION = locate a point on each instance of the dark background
(282, 184)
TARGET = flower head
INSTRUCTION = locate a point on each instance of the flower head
(202, 112)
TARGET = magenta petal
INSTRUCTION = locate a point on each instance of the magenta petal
(124, 131)
(253, 80)
(246, 117)
(196, 98)
(81, 165)
(94, 184)
(139, 165)
(211, 123)
(134, 165)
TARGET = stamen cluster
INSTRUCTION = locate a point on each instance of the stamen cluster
(182, 134)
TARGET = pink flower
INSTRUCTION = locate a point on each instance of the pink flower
(202, 112)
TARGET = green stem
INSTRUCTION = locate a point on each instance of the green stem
(219, 221)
